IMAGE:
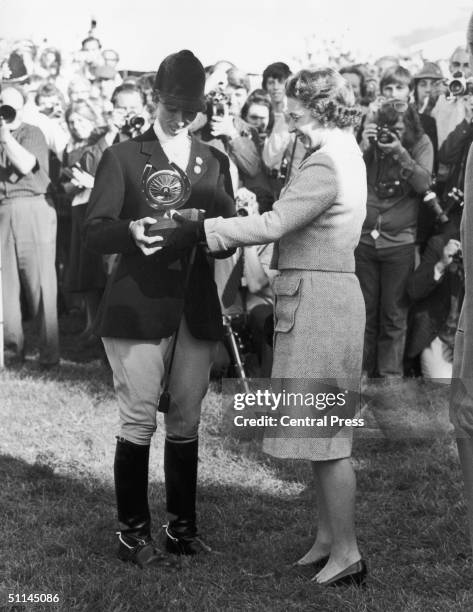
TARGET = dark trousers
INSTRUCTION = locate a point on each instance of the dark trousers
(383, 274)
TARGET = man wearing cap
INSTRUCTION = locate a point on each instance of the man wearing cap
(146, 302)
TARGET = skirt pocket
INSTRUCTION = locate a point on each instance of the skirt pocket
(287, 293)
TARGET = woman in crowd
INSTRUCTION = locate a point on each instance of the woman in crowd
(399, 158)
(258, 112)
(85, 273)
(319, 309)
(356, 78)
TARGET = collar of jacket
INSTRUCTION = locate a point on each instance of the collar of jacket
(198, 159)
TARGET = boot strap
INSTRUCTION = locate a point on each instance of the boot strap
(139, 541)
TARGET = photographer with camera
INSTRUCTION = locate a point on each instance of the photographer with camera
(449, 110)
(436, 288)
(27, 230)
(228, 132)
(129, 116)
(258, 112)
(399, 159)
(454, 152)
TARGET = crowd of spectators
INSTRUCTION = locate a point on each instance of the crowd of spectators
(415, 133)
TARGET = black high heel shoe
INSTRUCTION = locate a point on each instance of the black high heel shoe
(315, 566)
(354, 574)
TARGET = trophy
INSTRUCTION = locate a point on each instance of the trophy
(166, 190)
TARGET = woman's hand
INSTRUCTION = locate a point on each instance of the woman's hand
(146, 244)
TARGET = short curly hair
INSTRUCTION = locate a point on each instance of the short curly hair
(327, 94)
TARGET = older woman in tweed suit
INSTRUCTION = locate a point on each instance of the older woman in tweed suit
(319, 310)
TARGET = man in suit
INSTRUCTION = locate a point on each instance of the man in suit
(148, 299)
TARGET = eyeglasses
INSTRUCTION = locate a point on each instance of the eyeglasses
(256, 118)
(399, 105)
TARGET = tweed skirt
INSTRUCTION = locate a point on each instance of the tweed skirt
(318, 335)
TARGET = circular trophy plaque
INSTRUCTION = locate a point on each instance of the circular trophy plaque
(166, 189)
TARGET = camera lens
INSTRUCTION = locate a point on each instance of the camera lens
(384, 135)
(7, 113)
(136, 122)
(456, 87)
(242, 212)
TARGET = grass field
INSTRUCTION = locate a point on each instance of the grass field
(58, 513)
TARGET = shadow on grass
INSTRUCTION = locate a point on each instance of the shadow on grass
(401, 417)
(57, 537)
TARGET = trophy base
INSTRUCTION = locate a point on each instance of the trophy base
(164, 226)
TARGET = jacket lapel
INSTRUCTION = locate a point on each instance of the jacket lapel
(151, 147)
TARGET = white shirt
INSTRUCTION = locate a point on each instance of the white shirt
(177, 148)
(56, 137)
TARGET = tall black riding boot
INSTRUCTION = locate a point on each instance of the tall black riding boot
(131, 489)
(180, 472)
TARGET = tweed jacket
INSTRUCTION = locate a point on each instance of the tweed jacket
(317, 221)
(145, 296)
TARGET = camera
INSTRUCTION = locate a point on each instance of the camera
(453, 199)
(459, 85)
(7, 113)
(388, 189)
(242, 209)
(458, 257)
(219, 103)
(242, 201)
(385, 135)
(431, 201)
(133, 123)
